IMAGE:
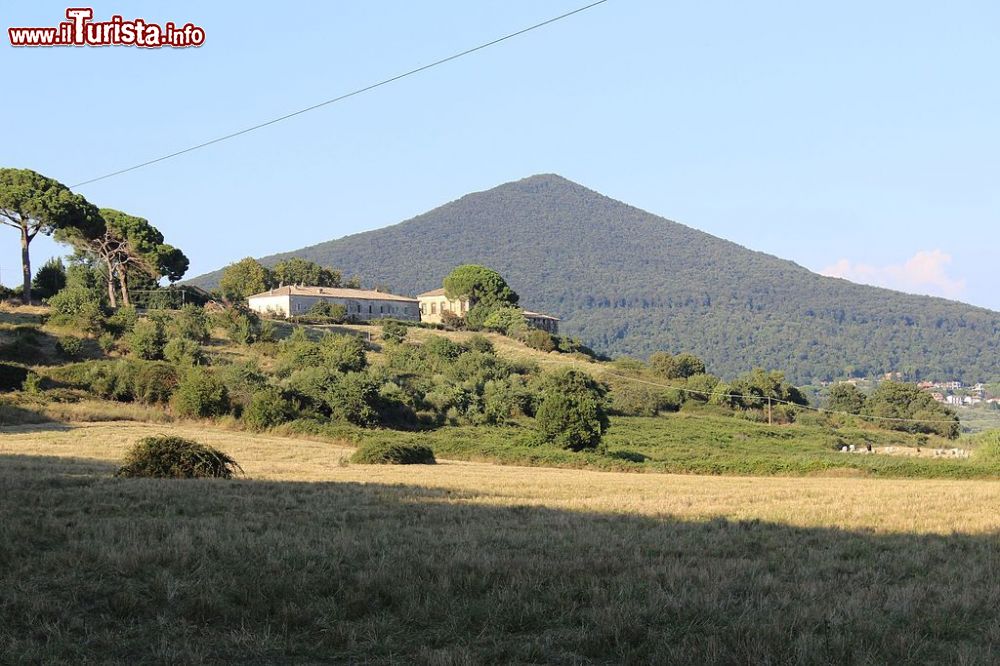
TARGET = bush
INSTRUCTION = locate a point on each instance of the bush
(70, 347)
(242, 381)
(122, 321)
(183, 351)
(480, 343)
(176, 458)
(442, 347)
(49, 280)
(147, 339)
(242, 325)
(507, 320)
(572, 413)
(539, 339)
(267, 408)
(77, 307)
(344, 353)
(394, 331)
(152, 382)
(324, 312)
(354, 398)
(106, 342)
(200, 394)
(388, 453)
(190, 323)
(12, 377)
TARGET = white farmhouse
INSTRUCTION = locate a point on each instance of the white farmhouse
(360, 304)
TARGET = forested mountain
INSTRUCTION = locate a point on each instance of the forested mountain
(629, 282)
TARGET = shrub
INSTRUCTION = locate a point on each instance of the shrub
(199, 394)
(539, 339)
(183, 351)
(76, 307)
(12, 377)
(480, 343)
(394, 331)
(344, 353)
(242, 381)
(151, 382)
(70, 347)
(354, 398)
(147, 339)
(32, 383)
(452, 321)
(49, 280)
(189, 323)
(242, 325)
(389, 453)
(267, 408)
(506, 320)
(632, 399)
(323, 312)
(106, 342)
(122, 321)
(442, 347)
(572, 412)
(176, 458)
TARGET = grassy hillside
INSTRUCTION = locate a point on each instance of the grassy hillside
(311, 560)
(629, 282)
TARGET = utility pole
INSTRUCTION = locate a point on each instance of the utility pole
(769, 422)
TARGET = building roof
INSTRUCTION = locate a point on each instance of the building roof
(432, 292)
(538, 315)
(335, 292)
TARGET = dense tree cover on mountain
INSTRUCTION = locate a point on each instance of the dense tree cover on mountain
(629, 282)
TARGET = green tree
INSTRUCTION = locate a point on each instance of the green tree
(301, 271)
(394, 331)
(506, 319)
(49, 279)
(479, 285)
(846, 398)
(572, 413)
(905, 407)
(129, 246)
(245, 278)
(34, 204)
(147, 339)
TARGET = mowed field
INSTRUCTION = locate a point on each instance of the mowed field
(310, 559)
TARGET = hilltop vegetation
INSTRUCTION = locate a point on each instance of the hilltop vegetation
(630, 283)
(458, 394)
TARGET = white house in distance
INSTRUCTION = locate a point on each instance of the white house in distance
(360, 304)
(434, 303)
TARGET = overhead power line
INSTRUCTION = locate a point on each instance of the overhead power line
(342, 97)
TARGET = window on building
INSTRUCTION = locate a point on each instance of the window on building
(434, 308)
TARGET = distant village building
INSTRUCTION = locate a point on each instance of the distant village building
(359, 304)
(542, 321)
(434, 303)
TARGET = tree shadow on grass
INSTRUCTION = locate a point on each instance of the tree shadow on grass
(17, 418)
(191, 571)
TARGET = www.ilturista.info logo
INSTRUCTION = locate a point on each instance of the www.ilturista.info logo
(80, 30)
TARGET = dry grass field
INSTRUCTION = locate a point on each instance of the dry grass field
(310, 559)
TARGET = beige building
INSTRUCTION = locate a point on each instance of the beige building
(433, 305)
(360, 304)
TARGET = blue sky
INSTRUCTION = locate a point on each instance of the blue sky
(855, 138)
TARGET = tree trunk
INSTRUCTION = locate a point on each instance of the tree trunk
(25, 264)
(123, 281)
(111, 285)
